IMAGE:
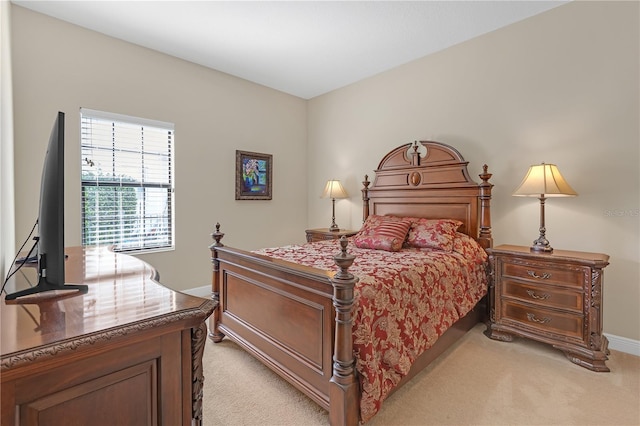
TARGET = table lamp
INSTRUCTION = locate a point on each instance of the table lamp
(542, 181)
(334, 189)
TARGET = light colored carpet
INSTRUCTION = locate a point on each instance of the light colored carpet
(477, 382)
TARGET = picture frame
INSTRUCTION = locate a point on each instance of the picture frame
(254, 173)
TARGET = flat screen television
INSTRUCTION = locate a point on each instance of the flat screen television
(50, 255)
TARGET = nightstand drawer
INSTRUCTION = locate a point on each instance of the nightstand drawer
(562, 324)
(541, 272)
(542, 295)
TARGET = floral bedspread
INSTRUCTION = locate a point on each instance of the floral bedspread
(404, 301)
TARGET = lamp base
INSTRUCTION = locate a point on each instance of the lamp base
(333, 227)
(541, 245)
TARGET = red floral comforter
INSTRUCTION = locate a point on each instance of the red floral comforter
(404, 301)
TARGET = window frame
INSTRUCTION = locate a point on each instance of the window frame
(144, 241)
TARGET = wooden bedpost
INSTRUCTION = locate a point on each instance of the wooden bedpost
(485, 239)
(214, 332)
(343, 386)
(365, 198)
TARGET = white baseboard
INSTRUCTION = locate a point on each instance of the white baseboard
(204, 291)
(616, 343)
(624, 344)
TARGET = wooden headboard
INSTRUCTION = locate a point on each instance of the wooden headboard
(430, 179)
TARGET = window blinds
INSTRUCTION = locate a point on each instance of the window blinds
(127, 182)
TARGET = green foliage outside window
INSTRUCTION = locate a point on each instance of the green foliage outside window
(117, 206)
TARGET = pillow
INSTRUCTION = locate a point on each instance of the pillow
(469, 248)
(373, 221)
(435, 234)
(388, 235)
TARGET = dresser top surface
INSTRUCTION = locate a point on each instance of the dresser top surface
(122, 291)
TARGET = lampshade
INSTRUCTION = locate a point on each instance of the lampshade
(334, 189)
(544, 180)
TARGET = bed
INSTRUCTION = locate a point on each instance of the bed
(298, 318)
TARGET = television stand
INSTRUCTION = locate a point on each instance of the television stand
(44, 286)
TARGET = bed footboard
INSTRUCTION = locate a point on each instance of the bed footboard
(295, 319)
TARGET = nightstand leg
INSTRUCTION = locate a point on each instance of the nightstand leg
(494, 334)
(594, 364)
(592, 360)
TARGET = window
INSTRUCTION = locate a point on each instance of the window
(127, 182)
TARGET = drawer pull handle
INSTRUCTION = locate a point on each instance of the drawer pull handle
(544, 276)
(532, 318)
(543, 296)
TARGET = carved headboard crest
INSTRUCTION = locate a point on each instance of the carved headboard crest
(439, 165)
(430, 179)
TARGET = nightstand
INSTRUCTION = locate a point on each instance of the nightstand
(325, 234)
(555, 298)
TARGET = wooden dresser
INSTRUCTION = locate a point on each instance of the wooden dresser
(128, 352)
(554, 298)
(326, 234)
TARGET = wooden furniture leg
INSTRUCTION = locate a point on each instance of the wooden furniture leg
(343, 386)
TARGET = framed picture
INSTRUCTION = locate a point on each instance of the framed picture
(253, 175)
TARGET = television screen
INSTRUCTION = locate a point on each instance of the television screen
(51, 257)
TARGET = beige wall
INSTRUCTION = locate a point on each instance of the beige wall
(58, 66)
(560, 87)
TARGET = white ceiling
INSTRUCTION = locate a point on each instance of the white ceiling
(304, 48)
